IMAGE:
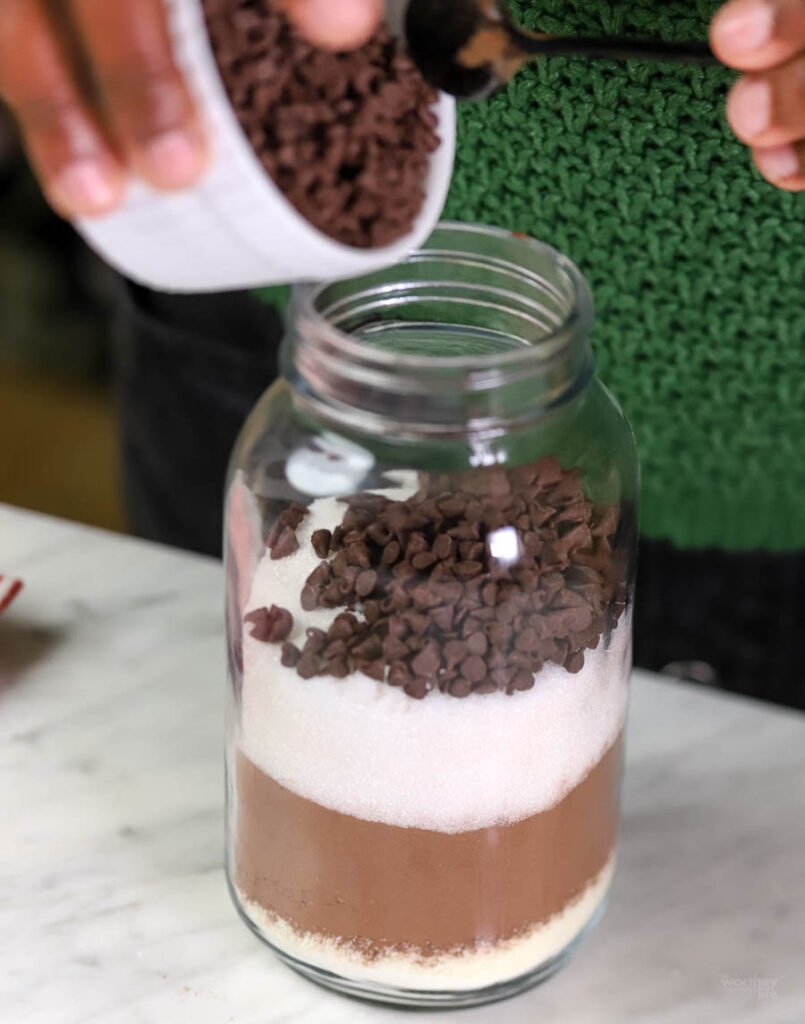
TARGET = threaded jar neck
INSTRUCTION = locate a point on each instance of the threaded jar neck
(477, 331)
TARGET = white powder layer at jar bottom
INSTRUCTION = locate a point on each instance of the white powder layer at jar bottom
(468, 970)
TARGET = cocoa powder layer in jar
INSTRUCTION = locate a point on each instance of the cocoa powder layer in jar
(382, 888)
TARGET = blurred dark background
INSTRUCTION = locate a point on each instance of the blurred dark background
(58, 452)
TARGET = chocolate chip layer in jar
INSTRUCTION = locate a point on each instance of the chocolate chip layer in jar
(430, 630)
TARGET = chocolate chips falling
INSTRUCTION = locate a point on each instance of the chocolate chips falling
(345, 136)
(471, 585)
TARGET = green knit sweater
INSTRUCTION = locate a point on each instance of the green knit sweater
(697, 265)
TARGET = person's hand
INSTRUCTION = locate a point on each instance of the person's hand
(766, 107)
(97, 94)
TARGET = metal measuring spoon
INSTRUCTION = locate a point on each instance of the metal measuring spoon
(470, 48)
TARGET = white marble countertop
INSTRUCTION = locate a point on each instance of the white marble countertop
(113, 908)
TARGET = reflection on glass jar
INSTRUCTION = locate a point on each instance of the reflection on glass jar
(430, 548)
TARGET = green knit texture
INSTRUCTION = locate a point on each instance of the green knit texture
(696, 264)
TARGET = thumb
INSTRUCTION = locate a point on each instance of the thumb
(335, 24)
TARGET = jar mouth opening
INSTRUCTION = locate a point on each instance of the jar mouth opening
(551, 311)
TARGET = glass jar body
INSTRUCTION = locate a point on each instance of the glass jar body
(429, 649)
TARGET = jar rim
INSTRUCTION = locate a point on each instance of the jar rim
(577, 318)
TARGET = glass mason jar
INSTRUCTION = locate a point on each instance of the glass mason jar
(431, 526)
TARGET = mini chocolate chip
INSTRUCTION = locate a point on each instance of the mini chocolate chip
(371, 611)
(332, 596)
(290, 655)
(276, 529)
(444, 547)
(368, 649)
(460, 687)
(354, 519)
(466, 531)
(294, 514)
(423, 560)
(427, 662)
(365, 583)
(472, 550)
(285, 544)
(523, 680)
(308, 665)
(605, 520)
(589, 592)
(379, 533)
(321, 541)
(442, 617)
(399, 674)
(338, 668)
(565, 621)
(418, 687)
(316, 639)
(532, 545)
(403, 571)
(426, 596)
(577, 538)
(547, 471)
(339, 564)
(398, 627)
(526, 641)
(374, 669)
(550, 584)
(416, 545)
(507, 613)
(417, 622)
(477, 644)
(391, 552)
(468, 569)
(394, 649)
(259, 620)
(343, 626)
(309, 598)
(397, 599)
(473, 668)
(453, 506)
(281, 624)
(335, 648)
(577, 512)
(358, 554)
(398, 518)
(574, 661)
(320, 575)
(455, 651)
(568, 598)
(451, 591)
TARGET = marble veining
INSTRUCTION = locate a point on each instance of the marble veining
(113, 907)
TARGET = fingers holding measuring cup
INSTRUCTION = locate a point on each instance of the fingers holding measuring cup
(97, 94)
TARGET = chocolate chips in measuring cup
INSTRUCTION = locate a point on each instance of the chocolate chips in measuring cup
(345, 136)
(470, 585)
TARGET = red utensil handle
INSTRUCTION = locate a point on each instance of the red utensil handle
(9, 588)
